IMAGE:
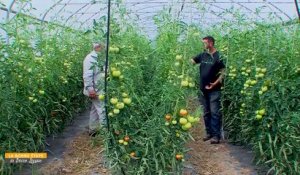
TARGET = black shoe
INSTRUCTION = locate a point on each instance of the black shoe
(208, 137)
(215, 140)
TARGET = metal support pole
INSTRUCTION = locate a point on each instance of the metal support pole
(106, 73)
(297, 8)
(106, 68)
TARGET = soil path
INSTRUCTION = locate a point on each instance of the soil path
(221, 159)
(75, 153)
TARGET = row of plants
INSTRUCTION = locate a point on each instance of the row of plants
(261, 96)
(41, 84)
(149, 87)
(148, 90)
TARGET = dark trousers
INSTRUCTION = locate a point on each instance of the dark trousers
(211, 102)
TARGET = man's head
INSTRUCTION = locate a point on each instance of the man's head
(98, 47)
(208, 42)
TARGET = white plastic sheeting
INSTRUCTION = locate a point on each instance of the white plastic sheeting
(81, 13)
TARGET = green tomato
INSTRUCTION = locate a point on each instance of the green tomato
(183, 121)
(258, 117)
(174, 122)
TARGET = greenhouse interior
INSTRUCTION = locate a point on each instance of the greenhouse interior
(192, 87)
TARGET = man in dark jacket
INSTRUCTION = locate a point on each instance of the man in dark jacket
(212, 69)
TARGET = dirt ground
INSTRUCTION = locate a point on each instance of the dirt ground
(75, 153)
(83, 156)
(221, 159)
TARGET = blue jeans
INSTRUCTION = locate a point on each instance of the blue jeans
(211, 102)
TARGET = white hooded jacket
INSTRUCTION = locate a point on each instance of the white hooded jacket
(93, 77)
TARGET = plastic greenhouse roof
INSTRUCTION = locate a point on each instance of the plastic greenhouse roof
(80, 13)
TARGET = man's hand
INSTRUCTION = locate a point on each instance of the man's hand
(92, 94)
(219, 80)
(210, 86)
(193, 61)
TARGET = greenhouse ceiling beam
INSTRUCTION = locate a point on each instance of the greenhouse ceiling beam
(149, 17)
(92, 15)
(31, 17)
(66, 4)
(98, 13)
(149, 2)
(74, 3)
(147, 22)
(20, 9)
(89, 18)
(159, 5)
(152, 22)
(264, 1)
(243, 6)
(224, 10)
(246, 12)
(214, 2)
(60, 10)
(85, 12)
(279, 9)
(239, 3)
(51, 8)
(79, 3)
(215, 13)
(212, 11)
(148, 7)
(76, 12)
(7, 16)
(9, 9)
(15, 12)
(154, 6)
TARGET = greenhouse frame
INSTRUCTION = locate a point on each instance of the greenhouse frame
(147, 109)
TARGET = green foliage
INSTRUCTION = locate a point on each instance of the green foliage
(41, 89)
(270, 54)
(153, 82)
(40, 84)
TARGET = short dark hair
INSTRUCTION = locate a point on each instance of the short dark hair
(210, 39)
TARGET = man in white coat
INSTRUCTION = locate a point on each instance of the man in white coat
(93, 77)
